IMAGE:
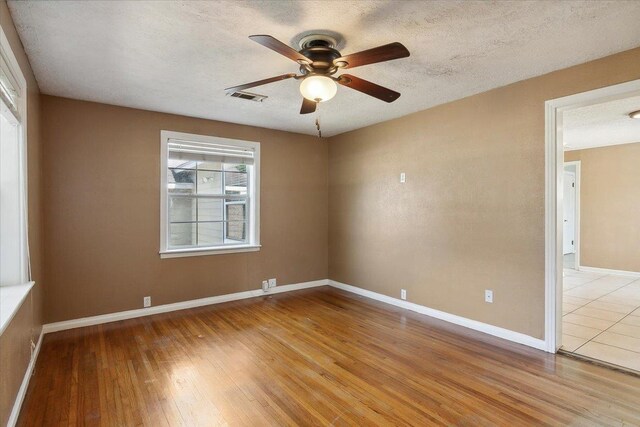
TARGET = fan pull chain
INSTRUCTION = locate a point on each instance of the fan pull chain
(318, 119)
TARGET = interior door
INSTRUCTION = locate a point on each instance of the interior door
(569, 225)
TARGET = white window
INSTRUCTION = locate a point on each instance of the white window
(210, 195)
(14, 266)
(14, 249)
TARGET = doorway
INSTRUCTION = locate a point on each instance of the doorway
(564, 246)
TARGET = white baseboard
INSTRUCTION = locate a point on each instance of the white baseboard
(165, 308)
(496, 331)
(22, 391)
(609, 271)
(451, 318)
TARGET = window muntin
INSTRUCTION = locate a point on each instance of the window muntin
(210, 193)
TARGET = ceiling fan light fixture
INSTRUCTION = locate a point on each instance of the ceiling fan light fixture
(318, 88)
(635, 114)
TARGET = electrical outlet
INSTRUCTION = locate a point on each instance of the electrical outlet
(147, 302)
(265, 285)
(403, 294)
(403, 177)
(272, 283)
(488, 295)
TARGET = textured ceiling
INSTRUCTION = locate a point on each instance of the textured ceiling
(602, 124)
(178, 56)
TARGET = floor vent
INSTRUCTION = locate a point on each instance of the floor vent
(248, 96)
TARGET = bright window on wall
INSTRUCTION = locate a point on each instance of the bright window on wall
(210, 195)
(14, 253)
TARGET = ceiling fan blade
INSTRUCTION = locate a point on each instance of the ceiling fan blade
(371, 89)
(260, 82)
(371, 56)
(308, 106)
(283, 49)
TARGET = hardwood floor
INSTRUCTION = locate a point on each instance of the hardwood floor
(315, 357)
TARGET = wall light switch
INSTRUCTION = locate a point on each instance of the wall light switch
(488, 295)
(272, 283)
(403, 177)
(147, 302)
(403, 294)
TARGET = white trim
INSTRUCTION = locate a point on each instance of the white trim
(253, 204)
(576, 232)
(22, 391)
(496, 331)
(11, 299)
(553, 195)
(610, 271)
(164, 220)
(16, 73)
(598, 145)
(213, 251)
(130, 314)
(553, 230)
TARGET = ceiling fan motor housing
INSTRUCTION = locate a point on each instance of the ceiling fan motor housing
(321, 52)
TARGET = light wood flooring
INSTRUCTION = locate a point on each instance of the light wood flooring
(314, 357)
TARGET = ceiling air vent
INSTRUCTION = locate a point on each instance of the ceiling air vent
(248, 96)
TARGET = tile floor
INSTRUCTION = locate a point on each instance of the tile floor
(601, 317)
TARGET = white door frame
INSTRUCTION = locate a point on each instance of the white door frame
(554, 166)
(576, 233)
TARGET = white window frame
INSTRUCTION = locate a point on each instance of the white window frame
(12, 296)
(253, 205)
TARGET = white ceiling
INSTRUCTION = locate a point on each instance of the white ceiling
(599, 125)
(178, 56)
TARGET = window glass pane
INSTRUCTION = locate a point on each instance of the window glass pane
(235, 167)
(211, 166)
(210, 209)
(235, 183)
(8, 85)
(236, 232)
(236, 211)
(210, 233)
(182, 209)
(12, 254)
(182, 235)
(181, 163)
(181, 181)
(209, 182)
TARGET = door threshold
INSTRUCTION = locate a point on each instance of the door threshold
(599, 362)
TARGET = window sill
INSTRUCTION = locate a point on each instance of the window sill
(179, 253)
(11, 299)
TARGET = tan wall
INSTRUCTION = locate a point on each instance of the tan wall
(15, 342)
(471, 214)
(102, 180)
(609, 206)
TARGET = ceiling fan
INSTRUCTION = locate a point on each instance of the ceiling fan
(319, 61)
